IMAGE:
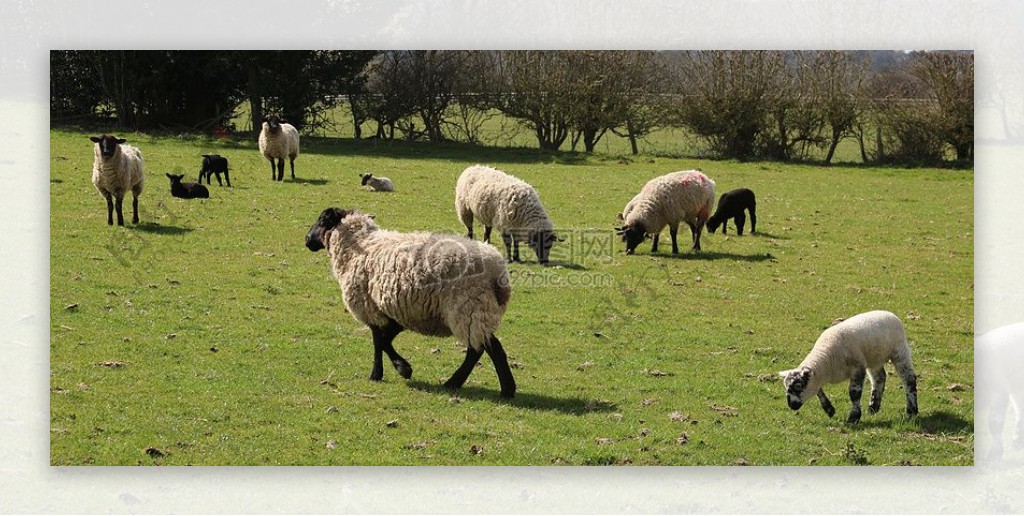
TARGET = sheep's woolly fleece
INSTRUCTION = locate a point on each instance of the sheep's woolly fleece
(432, 284)
(119, 174)
(501, 201)
(686, 196)
(284, 144)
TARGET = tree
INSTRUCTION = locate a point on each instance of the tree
(533, 87)
(948, 79)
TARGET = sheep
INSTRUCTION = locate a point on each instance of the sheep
(432, 284)
(998, 383)
(685, 196)
(858, 346)
(377, 184)
(508, 203)
(731, 206)
(214, 164)
(116, 169)
(278, 140)
(187, 190)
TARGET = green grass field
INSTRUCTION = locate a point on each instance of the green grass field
(209, 335)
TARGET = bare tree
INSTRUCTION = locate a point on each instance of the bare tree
(948, 79)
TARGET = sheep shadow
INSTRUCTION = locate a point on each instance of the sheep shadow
(942, 422)
(159, 229)
(314, 182)
(715, 255)
(528, 400)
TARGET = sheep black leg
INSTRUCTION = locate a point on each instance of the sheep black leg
(500, 359)
(654, 243)
(697, 229)
(110, 209)
(382, 338)
(906, 372)
(135, 208)
(292, 162)
(753, 221)
(856, 389)
(506, 238)
(672, 232)
(227, 178)
(280, 169)
(118, 202)
(487, 234)
(826, 405)
(515, 249)
(740, 220)
(273, 170)
(877, 389)
(460, 375)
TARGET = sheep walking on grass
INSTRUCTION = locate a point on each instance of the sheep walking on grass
(116, 170)
(432, 284)
(686, 196)
(214, 164)
(187, 190)
(731, 206)
(377, 184)
(857, 347)
(277, 141)
(508, 203)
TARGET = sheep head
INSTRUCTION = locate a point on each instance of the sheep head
(713, 224)
(175, 178)
(366, 178)
(633, 235)
(328, 220)
(108, 144)
(272, 123)
(541, 242)
(797, 382)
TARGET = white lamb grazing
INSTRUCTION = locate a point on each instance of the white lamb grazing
(858, 346)
(277, 141)
(667, 200)
(508, 203)
(433, 284)
(999, 384)
(116, 169)
(377, 184)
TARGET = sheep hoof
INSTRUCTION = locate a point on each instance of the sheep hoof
(451, 386)
(873, 409)
(853, 418)
(508, 394)
(830, 411)
(376, 376)
(404, 370)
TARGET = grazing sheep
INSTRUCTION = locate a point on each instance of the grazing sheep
(187, 190)
(377, 184)
(731, 206)
(665, 201)
(116, 169)
(507, 203)
(277, 141)
(214, 164)
(858, 346)
(999, 384)
(432, 284)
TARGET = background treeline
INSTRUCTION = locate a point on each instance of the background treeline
(795, 105)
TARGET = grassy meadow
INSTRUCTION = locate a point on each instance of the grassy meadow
(209, 335)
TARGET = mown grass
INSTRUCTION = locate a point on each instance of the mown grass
(226, 341)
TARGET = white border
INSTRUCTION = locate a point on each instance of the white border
(30, 30)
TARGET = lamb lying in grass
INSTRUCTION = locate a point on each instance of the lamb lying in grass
(858, 346)
(187, 190)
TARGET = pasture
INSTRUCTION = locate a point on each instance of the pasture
(209, 335)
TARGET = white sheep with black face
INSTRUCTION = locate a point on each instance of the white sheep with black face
(279, 140)
(667, 200)
(857, 347)
(377, 184)
(503, 201)
(432, 284)
(116, 170)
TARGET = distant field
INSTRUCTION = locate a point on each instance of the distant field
(209, 335)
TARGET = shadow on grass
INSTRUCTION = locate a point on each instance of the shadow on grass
(526, 400)
(715, 255)
(159, 229)
(438, 151)
(315, 182)
(942, 422)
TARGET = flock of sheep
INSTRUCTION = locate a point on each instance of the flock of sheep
(444, 285)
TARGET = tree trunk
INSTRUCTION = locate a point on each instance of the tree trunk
(255, 100)
(632, 136)
(832, 147)
(357, 117)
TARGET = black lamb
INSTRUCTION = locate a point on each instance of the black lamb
(214, 164)
(730, 206)
(187, 190)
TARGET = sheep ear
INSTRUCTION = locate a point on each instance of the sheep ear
(785, 373)
(94, 139)
(121, 140)
(619, 217)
